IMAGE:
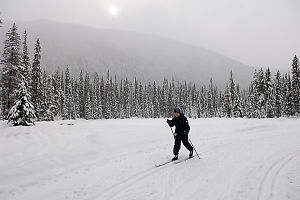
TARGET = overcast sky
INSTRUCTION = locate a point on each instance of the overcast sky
(260, 33)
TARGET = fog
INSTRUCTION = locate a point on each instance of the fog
(258, 33)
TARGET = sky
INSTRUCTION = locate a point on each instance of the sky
(260, 33)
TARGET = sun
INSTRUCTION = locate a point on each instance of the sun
(113, 10)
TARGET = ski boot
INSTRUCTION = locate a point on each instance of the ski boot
(191, 154)
(175, 158)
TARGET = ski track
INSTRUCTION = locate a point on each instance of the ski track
(268, 184)
(240, 159)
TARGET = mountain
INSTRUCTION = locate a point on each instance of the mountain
(124, 53)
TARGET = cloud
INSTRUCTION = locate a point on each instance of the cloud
(259, 33)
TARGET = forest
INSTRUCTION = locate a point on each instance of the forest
(29, 93)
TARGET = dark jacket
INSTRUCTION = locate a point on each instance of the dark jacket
(181, 123)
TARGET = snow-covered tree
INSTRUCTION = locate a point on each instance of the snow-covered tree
(278, 95)
(87, 97)
(11, 70)
(288, 98)
(81, 95)
(22, 113)
(68, 96)
(26, 64)
(36, 79)
(296, 86)
(237, 104)
(269, 95)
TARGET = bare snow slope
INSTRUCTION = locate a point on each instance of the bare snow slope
(114, 159)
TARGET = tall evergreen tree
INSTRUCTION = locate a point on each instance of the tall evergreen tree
(269, 95)
(278, 95)
(68, 95)
(26, 65)
(11, 71)
(36, 79)
(288, 107)
(296, 86)
(87, 97)
(76, 99)
(81, 95)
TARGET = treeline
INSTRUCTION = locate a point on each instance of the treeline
(29, 92)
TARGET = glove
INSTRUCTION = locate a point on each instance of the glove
(175, 135)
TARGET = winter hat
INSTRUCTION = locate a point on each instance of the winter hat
(176, 110)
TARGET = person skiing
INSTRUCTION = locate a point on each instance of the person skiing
(181, 133)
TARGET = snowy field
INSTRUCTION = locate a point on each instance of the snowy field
(115, 159)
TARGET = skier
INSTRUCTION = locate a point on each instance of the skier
(181, 133)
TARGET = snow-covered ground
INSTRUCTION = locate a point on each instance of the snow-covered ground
(115, 159)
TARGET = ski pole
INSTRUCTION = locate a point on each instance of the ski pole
(194, 148)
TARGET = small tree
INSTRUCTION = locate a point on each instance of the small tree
(22, 113)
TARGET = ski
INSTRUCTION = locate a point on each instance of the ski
(162, 164)
(186, 159)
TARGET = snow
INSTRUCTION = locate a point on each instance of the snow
(115, 159)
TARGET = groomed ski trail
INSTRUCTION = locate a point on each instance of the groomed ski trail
(241, 159)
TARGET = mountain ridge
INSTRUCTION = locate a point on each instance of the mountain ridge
(145, 56)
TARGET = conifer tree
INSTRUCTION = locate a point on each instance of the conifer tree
(26, 65)
(260, 92)
(22, 113)
(68, 95)
(278, 95)
(237, 105)
(295, 86)
(102, 97)
(11, 71)
(36, 79)
(50, 95)
(76, 99)
(269, 95)
(81, 95)
(227, 102)
(87, 97)
(288, 107)
(96, 98)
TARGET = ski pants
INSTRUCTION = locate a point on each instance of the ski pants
(185, 140)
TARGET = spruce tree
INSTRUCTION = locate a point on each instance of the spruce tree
(288, 107)
(278, 95)
(227, 102)
(56, 93)
(269, 95)
(260, 92)
(51, 110)
(76, 99)
(96, 97)
(11, 71)
(36, 79)
(87, 97)
(116, 99)
(26, 65)
(22, 113)
(68, 96)
(81, 95)
(102, 97)
(237, 105)
(296, 86)
(44, 103)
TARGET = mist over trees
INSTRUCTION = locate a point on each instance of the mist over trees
(28, 92)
